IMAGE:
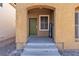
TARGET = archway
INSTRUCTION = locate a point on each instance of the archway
(41, 20)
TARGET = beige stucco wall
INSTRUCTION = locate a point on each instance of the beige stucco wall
(7, 21)
(64, 23)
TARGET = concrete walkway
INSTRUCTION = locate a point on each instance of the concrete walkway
(40, 46)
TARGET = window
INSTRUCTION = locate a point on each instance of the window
(44, 22)
(1, 5)
(77, 24)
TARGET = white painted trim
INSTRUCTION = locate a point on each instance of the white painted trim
(40, 24)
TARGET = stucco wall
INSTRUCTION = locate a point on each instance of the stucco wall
(64, 23)
(7, 21)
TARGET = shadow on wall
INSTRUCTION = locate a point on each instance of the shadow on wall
(7, 24)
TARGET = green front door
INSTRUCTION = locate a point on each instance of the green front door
(32, 26)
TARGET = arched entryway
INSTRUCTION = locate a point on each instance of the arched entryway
(41, 27)
(41, 21)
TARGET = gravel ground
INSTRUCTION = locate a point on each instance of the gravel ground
(4, 51)
(69, 52)
(10, 50)
(16, 52)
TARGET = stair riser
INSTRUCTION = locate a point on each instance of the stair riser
(52, 47)
(41, 49)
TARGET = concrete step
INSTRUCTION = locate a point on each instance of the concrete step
(40, 44)
(41, 52)
(40, 49)
(49, 47)
(30, 45)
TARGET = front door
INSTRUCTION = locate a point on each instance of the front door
(32, 26)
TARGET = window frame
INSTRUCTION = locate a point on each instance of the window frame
(76, 25)
(40, 23)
